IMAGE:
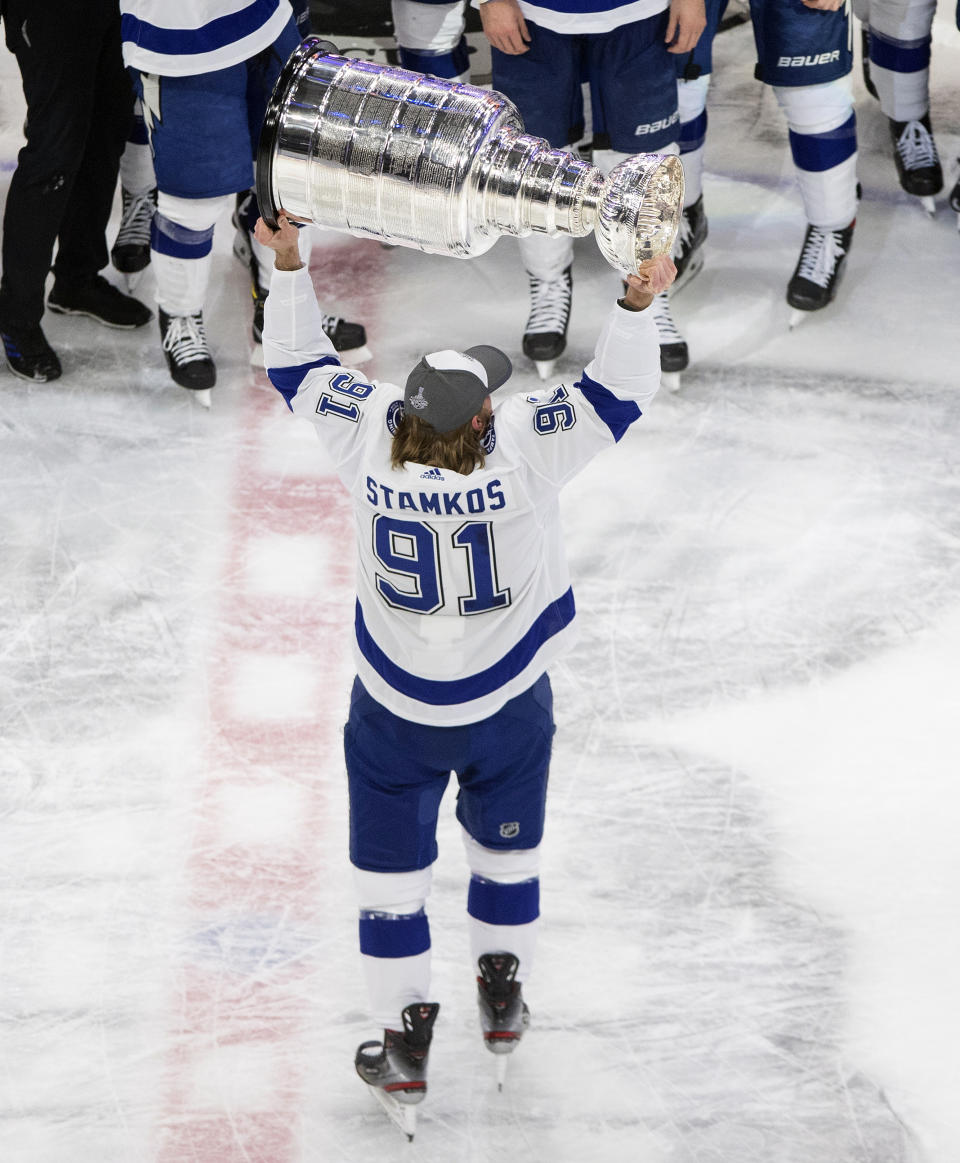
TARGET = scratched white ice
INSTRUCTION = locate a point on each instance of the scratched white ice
(750, 924)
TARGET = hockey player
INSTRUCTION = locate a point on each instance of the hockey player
(804, 53)
(204, 71)
(464, 600)
(540, 54)
(896, 61)
(79, 107)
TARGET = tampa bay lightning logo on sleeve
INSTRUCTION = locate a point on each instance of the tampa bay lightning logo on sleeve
(394, 416)
(488, 441)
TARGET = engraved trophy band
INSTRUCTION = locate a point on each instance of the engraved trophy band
(444, 167)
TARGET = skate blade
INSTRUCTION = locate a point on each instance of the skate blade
(202, 396)
(929, 204)
(797, 317)
(545, 368)
(671, 381)
(503, 1061)
(256, 356)
(402, 1115)
(133, 279)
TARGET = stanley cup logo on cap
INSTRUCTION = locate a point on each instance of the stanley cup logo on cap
(419, 401)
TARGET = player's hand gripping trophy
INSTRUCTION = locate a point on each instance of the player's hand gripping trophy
(445, 167)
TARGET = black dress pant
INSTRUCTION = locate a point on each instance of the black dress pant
(79, 112)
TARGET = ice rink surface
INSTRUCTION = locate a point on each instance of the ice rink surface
(750, 930)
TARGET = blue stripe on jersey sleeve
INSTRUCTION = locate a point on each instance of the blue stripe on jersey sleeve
(287, 380)
(450, 692)
(617, 414)
(207, 38)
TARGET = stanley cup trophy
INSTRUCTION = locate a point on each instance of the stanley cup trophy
(444, 167)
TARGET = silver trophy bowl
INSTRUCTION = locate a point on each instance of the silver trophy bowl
(446, 168)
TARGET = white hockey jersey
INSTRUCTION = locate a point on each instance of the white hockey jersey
(180, 38)
(589, 16)
(463, 590)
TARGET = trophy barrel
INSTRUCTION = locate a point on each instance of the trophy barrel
(379, 152)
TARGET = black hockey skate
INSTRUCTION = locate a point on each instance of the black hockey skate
(819, 269)
(917, 161)
(504, 1015)
(396, 1068)
(687, 251)
(188, 356)
(545, 336)
(130, 253)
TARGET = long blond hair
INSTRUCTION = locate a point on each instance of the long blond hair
(459, 451)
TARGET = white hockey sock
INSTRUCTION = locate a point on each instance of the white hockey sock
(180, 245)
(503, 904)
(394, 941)
(546, 256)
(823, 143)
(692, 102)
(136, 161)
(900, 36)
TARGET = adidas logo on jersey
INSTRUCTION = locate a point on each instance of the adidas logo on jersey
(432, 474)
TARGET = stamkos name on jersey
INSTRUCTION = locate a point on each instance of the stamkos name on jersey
(656, 126)
(824, 58)
(461, 503)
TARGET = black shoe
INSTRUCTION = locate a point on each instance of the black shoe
(99, 300)
(131, 251)
(820, 267)
(915, 154)
(185, 346)
(29, 355)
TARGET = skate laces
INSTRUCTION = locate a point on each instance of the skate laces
(549, 304)
(185, 338)
(667, 331)
(916, 147)
(136, 217)
(822, 250)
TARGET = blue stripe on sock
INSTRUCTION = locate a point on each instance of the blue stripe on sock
(287, 380)
(168, 237)
(816, 152)
(444, 64)
(899, 56)
(394, 935)
(693, 133)
(503, 904)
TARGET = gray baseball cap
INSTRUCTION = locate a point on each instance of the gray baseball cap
(446, 388)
